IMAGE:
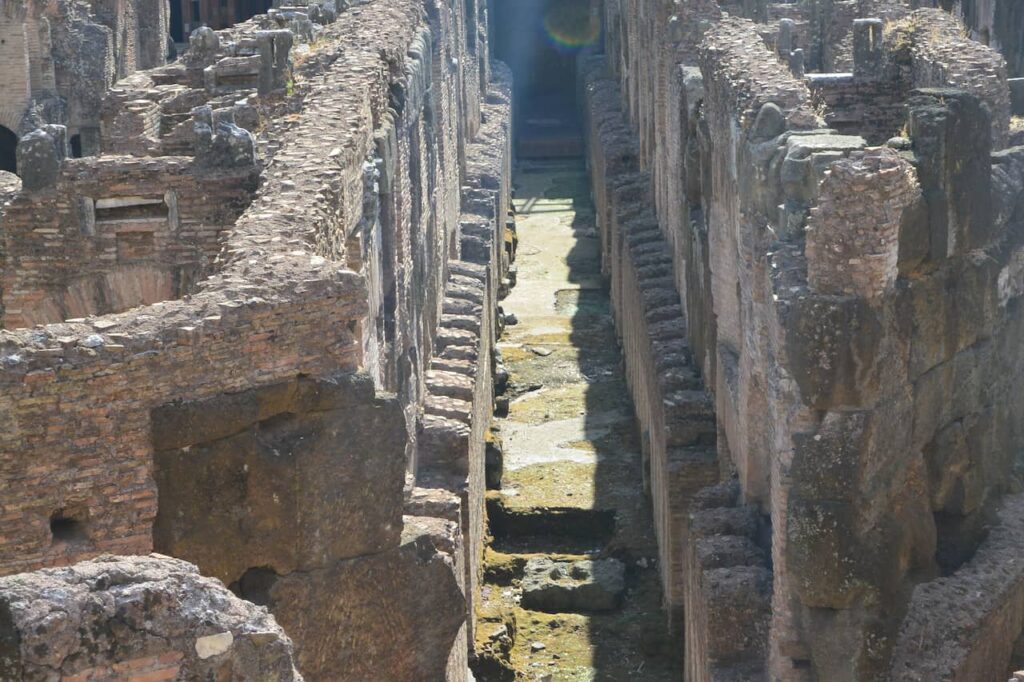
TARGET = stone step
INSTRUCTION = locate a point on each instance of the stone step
(450, 408)
(548, 529)
(449, 385)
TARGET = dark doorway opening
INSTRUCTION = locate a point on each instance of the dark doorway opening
(76, 146)
(255, 585)
(540, 41)
(177, 22)
(8, 150)
(188, 15)
(247, 9)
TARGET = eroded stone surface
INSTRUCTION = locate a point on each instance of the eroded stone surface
(560, 586)
(134, 618)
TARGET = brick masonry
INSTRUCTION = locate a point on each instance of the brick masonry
(367, 244)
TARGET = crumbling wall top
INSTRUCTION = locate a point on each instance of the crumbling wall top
(959, 627)
(944, 56)
(734, 57)
(291, 242)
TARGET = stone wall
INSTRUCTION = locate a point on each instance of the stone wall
(966, 626)
(14, 64)
(138, 619)
(999, 24)
(116, 233)
(942, 56)
(672, 408)
(869, 434)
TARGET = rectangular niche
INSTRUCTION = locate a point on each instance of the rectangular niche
(139, 224)
(141, 211)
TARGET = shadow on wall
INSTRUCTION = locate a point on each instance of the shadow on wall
(634, 640)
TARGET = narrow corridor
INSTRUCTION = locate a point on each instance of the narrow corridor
(571, 585)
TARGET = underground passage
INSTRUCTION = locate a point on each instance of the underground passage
(512, 340)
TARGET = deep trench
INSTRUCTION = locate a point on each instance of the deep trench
(572, 487)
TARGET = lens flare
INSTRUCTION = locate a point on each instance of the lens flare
(571, 25)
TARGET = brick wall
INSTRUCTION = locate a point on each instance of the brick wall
(64, 55)
(90, 244)
(672, 410)
(374, 245)
(943, 56)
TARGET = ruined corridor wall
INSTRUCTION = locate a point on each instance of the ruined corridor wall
(338, 338)
(845, 427)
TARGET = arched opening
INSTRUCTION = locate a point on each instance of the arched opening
(8, 150)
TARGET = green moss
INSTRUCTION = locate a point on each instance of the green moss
(587, 499)
(569, 400)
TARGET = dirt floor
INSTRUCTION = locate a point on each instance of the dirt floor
(572, 486)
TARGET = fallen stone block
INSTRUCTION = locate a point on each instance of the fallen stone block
(141, 617)
(561, 586)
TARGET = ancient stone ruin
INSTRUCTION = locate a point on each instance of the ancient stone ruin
(450, 340)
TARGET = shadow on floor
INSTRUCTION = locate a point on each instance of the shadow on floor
(573, 485)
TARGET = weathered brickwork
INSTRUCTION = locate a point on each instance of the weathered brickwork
(312, 212)
(997, 23)
(255, 331)
(853, 232)
(115, 233)
(667, 392)
(943, 57)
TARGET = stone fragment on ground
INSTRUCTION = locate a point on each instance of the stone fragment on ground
(579, 586)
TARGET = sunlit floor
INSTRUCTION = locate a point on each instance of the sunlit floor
(572, 486)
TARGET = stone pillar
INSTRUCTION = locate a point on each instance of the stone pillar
(853, 234)
(275, 59)
(221, 143)
(867, 48)
(951, 136)
(203, 48)
(797, 63)
(786, 42)
(40, 156)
